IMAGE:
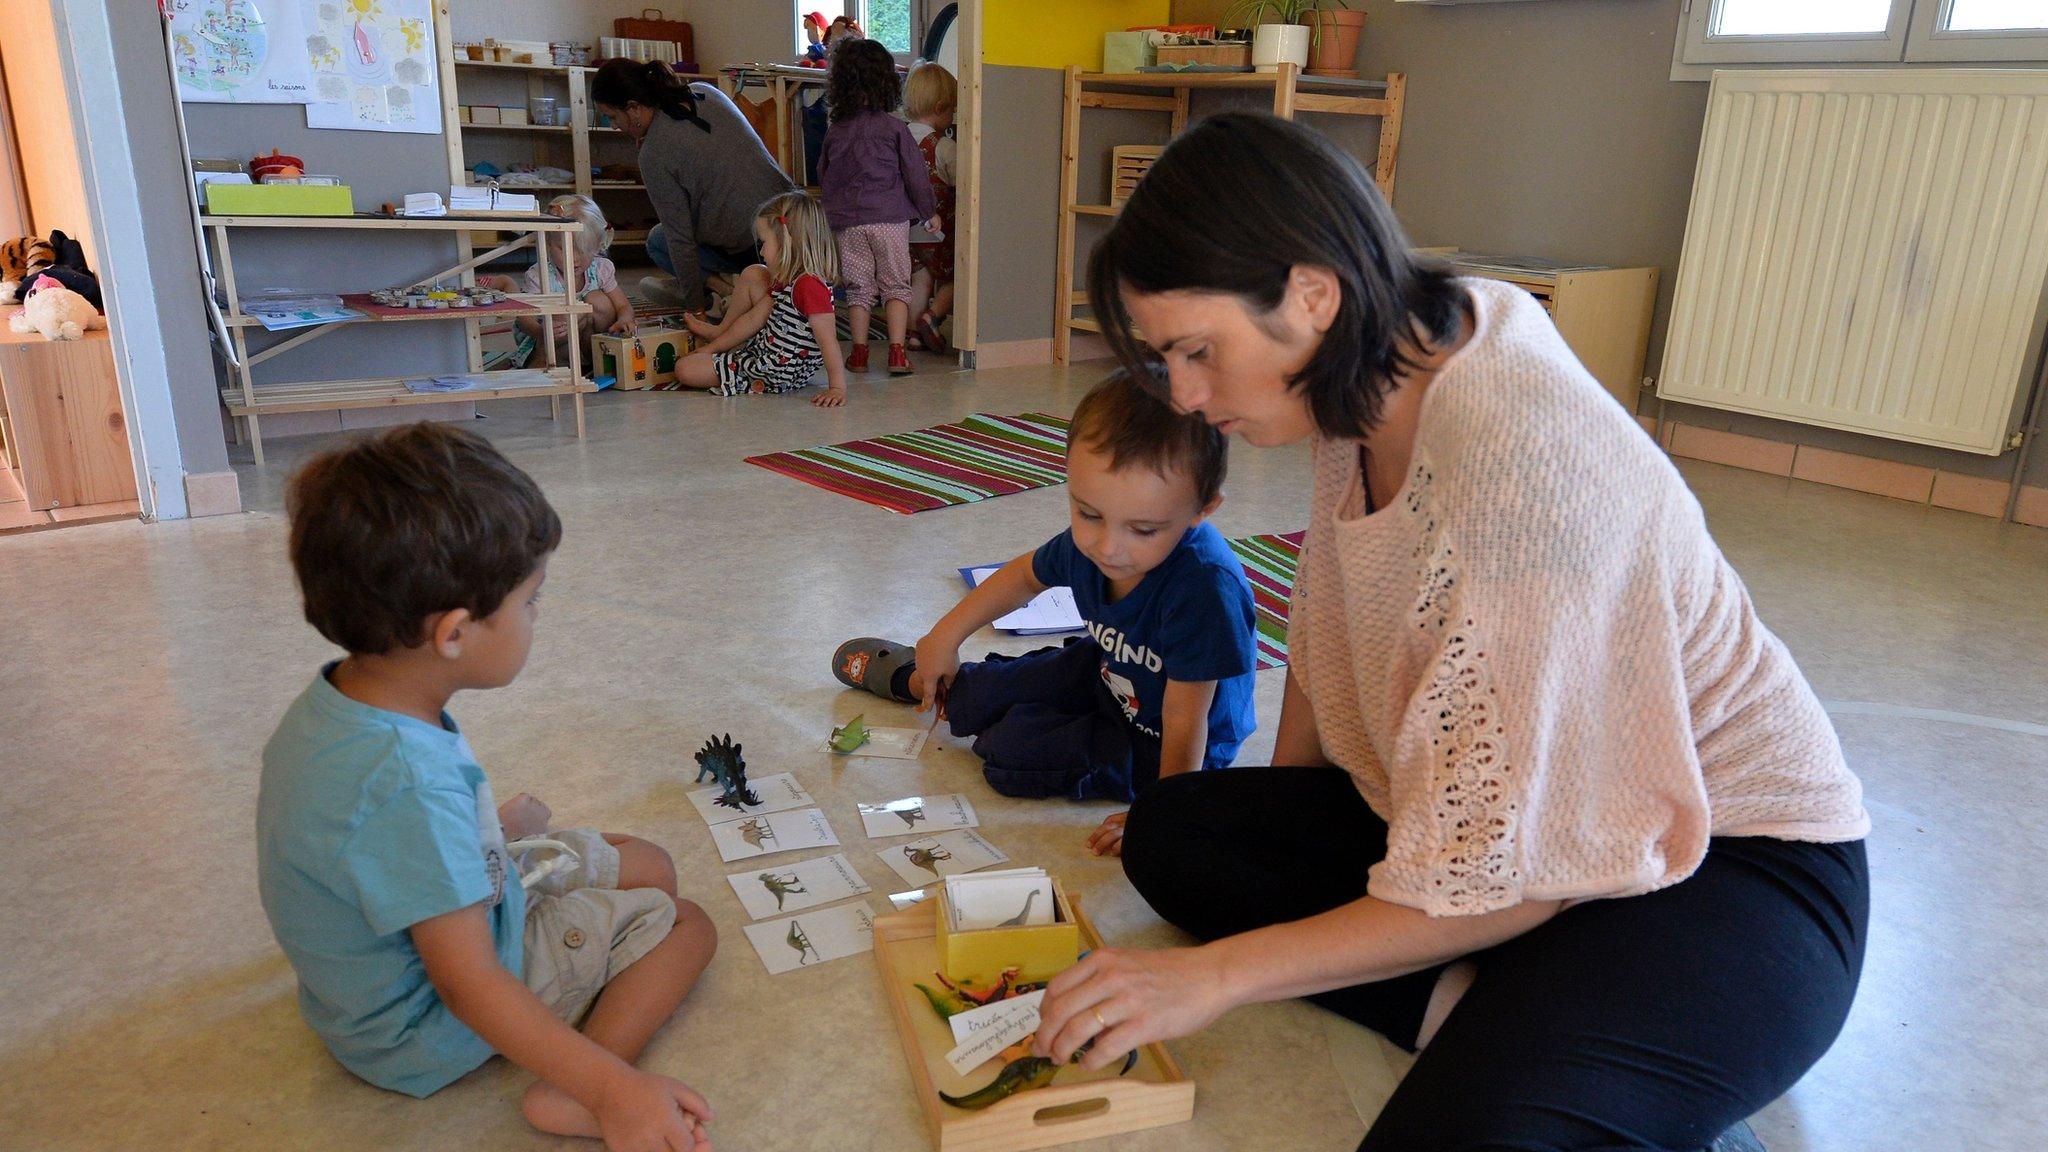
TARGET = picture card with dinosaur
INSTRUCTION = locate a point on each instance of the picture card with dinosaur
(894, 743)
(765, 835)
(777, 793)
(812, 938)
(775, 890)
(913, 814)
(924, 860)
(1016, 898)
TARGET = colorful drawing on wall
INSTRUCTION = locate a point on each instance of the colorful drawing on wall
(373, 67)
(238, 51)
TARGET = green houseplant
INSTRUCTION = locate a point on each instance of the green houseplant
(1279, 32)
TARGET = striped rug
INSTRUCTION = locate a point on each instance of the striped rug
(980, 457)
(1270, 561)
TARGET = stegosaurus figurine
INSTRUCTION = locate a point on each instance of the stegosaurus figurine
(720, 760)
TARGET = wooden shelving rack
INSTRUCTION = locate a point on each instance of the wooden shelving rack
(247, 400)
(1168, 92)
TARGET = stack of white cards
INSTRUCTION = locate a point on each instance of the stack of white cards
(1012, 898)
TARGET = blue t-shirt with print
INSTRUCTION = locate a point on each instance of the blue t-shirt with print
(1190, 619)
(368, 822)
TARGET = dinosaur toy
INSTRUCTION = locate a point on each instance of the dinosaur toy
(802, 943)
(957, 999)
(849, 736)
(926, 857)
(1022, 1075)
(720, 760)
(756, 831)
(779, 886)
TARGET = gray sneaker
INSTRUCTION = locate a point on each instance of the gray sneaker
(1740, 1138)
(662, 290)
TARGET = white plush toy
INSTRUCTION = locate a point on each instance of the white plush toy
(55, 311)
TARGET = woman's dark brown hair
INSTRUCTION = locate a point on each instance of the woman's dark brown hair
(1234, 205)
(420, 520)
(863, 79)
(650, 84)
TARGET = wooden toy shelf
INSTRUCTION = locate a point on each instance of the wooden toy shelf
(247, 400)
(1293, 93)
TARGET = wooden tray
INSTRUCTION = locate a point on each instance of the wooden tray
(1077, 1106)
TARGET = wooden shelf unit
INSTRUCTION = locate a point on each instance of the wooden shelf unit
(247, 400)
(781, 80)
(1293, 93)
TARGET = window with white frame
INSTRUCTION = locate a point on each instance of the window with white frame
(893, 22)
(1892, 31)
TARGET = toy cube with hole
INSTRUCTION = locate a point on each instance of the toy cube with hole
(646, 359)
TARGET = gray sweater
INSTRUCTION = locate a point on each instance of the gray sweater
(706, 186)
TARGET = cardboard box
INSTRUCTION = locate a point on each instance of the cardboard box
(483, 114)
(646, 359)
(1127, 51)
(1224, 55)
(508, 114)
(279, 200)
(1038, 953)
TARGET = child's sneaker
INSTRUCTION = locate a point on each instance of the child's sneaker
(877, 665)
(857, 360)
(899, 361)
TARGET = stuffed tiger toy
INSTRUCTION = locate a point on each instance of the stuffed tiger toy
(21, 260)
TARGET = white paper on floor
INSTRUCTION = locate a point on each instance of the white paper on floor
(902, 817)
(778, 793)
(752, 836)
(813, 937)
(924, 860)
(794, 887)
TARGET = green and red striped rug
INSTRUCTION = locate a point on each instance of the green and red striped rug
(1270, 561)
(980, 457)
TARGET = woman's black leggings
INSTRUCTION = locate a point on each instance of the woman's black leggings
(1650, 1022)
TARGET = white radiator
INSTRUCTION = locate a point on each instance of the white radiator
(1867, 250)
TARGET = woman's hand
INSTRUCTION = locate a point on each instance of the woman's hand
(1122, 1000)
(1108, 839)
(829, 398)
(523, 816)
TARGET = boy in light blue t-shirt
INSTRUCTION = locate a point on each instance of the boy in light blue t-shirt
(396, 885)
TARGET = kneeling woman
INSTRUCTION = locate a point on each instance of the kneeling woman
(1558, 810)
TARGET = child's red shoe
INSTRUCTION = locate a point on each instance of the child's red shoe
(857, 361)
(899, 361)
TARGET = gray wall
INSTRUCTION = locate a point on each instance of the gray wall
(145, 83)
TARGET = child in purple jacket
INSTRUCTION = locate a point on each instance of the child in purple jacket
(875, 184)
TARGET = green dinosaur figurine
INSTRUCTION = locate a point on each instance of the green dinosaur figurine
(958, 998)
(849, 736)
(1021, 1075)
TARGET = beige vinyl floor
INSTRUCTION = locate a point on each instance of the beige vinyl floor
(143, 665)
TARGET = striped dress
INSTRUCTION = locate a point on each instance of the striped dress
(784, 355)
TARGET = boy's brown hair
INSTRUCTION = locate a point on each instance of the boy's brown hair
(419, 520)
(1135, 425)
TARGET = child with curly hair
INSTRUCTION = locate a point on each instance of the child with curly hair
(779, 326)
(875, 184)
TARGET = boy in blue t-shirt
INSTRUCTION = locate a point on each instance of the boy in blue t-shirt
(1163, 683)
(382, 859)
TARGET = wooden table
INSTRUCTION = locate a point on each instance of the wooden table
(247, 400)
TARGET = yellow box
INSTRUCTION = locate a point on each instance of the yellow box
(1038, 953)
(279, 200)
(507, 115)
(483, 114)
(646, 359)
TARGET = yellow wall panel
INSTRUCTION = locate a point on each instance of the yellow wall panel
(1056, 33)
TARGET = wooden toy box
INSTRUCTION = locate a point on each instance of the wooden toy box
(1077, 1105)
(646, 359)
(1038, 952)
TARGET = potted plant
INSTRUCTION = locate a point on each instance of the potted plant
(1278, 31)
(1334, 37)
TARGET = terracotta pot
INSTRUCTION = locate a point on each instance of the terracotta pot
(1336, 42)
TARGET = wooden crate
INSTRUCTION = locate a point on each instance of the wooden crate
(646, 359)
(1225, 55)
(1078, 1105)
(1128, 165)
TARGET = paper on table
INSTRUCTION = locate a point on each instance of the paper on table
(775, 832)
(947, 854)
(992, 1028)
(778, 793)
(902, 817)
(795, 887)
(813, 937)
(1050, 611)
